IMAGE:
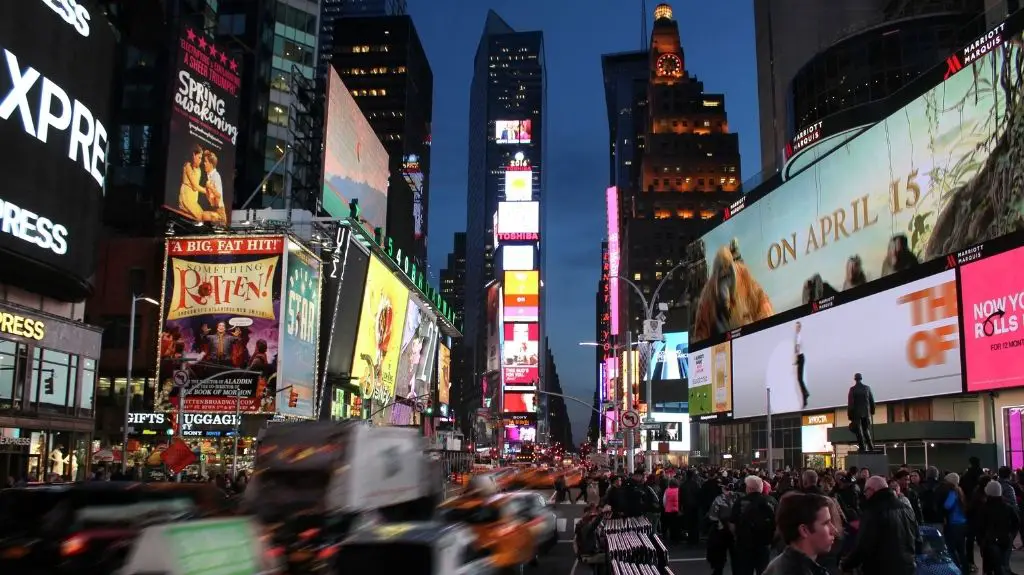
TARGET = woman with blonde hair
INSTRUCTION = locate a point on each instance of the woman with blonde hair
(955, 524)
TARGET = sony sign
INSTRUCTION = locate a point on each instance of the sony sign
(54, 110)
(73, 13)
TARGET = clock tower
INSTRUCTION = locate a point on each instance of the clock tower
(666, 53)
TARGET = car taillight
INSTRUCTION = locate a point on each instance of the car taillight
(73, 545)
(309, 533)
(327, 552)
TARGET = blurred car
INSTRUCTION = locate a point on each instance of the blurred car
(424, 548)
(506, 526)
(543, 478)
(545, 526)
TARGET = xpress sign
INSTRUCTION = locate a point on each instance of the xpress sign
(55, 79)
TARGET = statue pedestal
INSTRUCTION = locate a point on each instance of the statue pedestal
(876, 461)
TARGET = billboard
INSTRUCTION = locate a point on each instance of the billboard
(814, 433)
(220, 323)
(300, 336)
(200, 177)
(416, 361)
(343, 300)
(933, 178)
(54, 168)
(904, 341)
(355, 162)
(711, 382)
(494, 327)
(444, 373)
(518, 258)
(379, 342)
(519, 403)
(521, 296)
(992, 291)
(518, 185)
(513, 131)
(518, 219)
(669, 357)
(520, 433)
(675, 431)
(521, 354)
(612, 206)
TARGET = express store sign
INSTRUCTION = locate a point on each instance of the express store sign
(193, 424)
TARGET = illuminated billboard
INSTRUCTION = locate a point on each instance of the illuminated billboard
(355, 162)
(493, 327)
(444, 373)
(519, 403)
(412, 173)
(301, 334)
(668, 357)
(518, 219)
(933, 178)
(379, 341)
(518, 258)
(612, 206)
(521, 354)
(522, 296)
(993, 312)
(221, 324)
(710, 386)
(416, 360)
(518, 185)
(513, 131)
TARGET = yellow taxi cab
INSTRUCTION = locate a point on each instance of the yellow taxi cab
(573, 477)
(505, 527)
(543, 478)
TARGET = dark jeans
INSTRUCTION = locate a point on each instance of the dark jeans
(956, 540)
(992, 557)
(800, 375)
(750, 559)
(670, 525)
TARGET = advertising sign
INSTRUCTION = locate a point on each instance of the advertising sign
(300, 336)
(524, 433)
(518, 219)
(904, 341)
(343, 300)
(932, 178)
(521, 296)
(676, 430)
(513, 131)
(200, 182)
(814, 433)
(416, 362)
(378, 343)
(520, 403)
(612, 207)
(711, 382)
(669, 357)
(221, 323)
(518, 185)
(518, 258)
(355, 162)
(493, 327)
(444, 373)
(993, 299)
(55, 117)
(521, 354)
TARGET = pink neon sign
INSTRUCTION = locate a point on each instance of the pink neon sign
(612, 197)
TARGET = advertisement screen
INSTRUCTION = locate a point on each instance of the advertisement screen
(221, 323)
(518, 185)
(347, 300)
(612, 209)
(521, 299)
(711, 382)
(521, 354)
(993, 298)
(379, 342)
(904, 341)
(676, 431)
(444, 374)
(917, 186)
(416, 362)
(520, 403)
(355, 162)
(200, 180)
(301, 331)
(518, 218)
(513, 131)
(814, 433)
(494, 327)
(55, 123)
(518, 258)
(520, 433)
(668, 358)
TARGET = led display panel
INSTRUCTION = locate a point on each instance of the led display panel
(520, 403)
(521, 354)
(518, 258)
(518, 185)
(516, 218)
(522, 296)
(993, 310)
(513, 131)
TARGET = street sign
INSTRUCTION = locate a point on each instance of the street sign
(614, 443)
(651, 426)
(630, 419)
(649, 419)
(652, 330)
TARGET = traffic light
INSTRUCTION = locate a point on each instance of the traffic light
(293, 398)
(429, 410)
(48, 385)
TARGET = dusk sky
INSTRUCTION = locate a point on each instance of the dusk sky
(718, 41)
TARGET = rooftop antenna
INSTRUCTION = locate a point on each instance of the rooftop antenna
(643, 24)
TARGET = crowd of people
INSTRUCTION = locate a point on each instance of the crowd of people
(873, 522)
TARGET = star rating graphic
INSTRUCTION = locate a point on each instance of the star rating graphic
(211, 49)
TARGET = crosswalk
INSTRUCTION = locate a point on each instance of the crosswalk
(567, 526)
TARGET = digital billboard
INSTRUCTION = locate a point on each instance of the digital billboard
(934, 177)
(513, 131)
(711, 382)
(55, 117)
(518, 185)
(521, 354)
(518, 258)
(416, 361)
(612, 207)
(669, 357)
(379, 341)
(992, 291)
(521, 296)
(518, 218)
(520, 433)
(300, 336)
(520, 403)
(343, 300)
(493, 357)
(904, 341)
(220, 323)
(444, 373)
(814, 433)
(675, 430)
(355, 162)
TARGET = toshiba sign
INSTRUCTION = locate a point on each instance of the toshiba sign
(56, 71)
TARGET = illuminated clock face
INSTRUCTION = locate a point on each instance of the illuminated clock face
(669, 65)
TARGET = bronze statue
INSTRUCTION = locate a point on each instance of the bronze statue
(860, 408)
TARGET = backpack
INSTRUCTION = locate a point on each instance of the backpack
(651, 500)
(756, 523)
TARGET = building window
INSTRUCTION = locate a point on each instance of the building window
(88, 383)
(278, 115)
(53, 379)
(9, 391)
(231, 24)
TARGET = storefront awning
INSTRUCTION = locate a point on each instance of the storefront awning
(909, 431)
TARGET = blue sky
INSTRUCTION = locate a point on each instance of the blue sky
(718, 40)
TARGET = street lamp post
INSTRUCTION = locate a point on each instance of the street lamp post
(128, 383)
(649, 315)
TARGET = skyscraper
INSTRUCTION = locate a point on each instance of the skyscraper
(625, 94)
(506, 186)
(382, 62)
(453, 289)
(332, 10)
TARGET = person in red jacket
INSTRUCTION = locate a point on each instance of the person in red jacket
(671, 514)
